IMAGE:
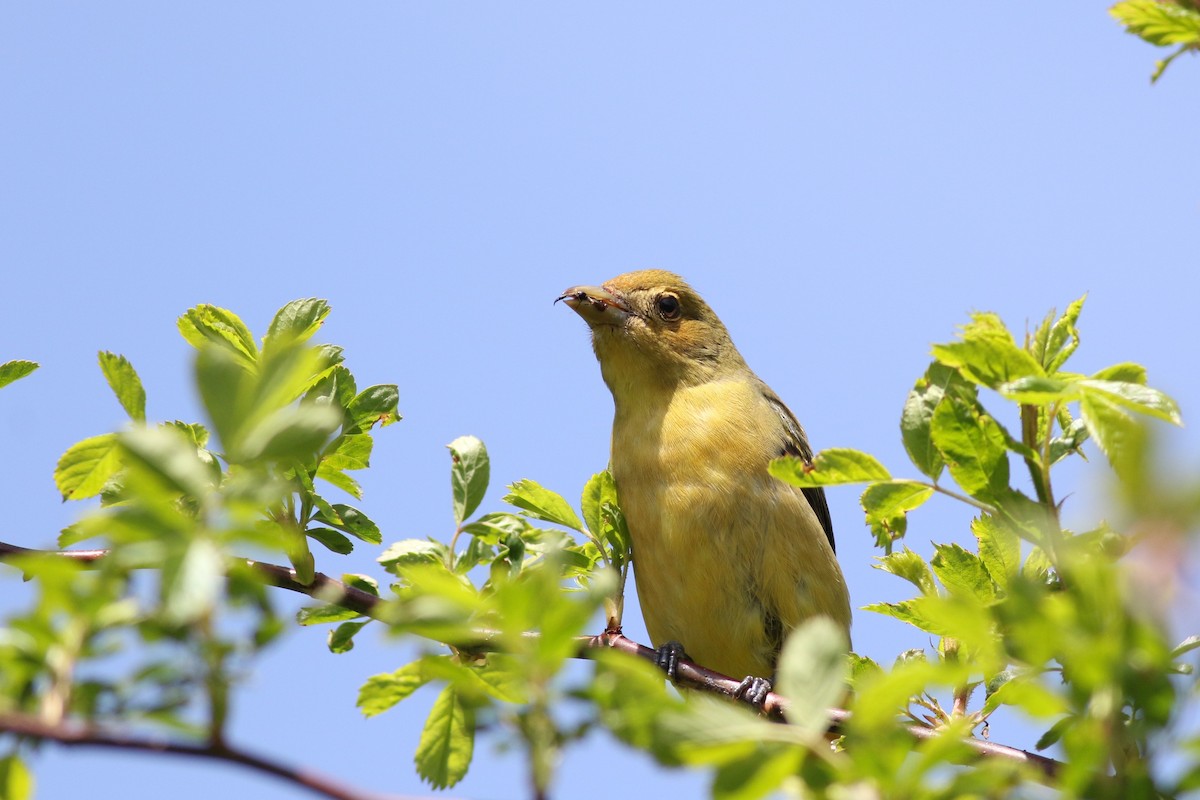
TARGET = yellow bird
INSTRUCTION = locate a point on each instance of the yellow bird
(727, 559)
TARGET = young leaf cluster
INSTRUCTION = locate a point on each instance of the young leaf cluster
(1162, 23)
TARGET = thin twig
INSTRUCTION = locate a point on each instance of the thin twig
(76, 734)
(690, 675)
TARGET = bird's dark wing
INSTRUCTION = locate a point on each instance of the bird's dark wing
(795, 443)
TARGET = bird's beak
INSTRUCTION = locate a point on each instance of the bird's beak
(597, 305)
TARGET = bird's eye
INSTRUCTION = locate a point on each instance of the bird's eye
(668, 306)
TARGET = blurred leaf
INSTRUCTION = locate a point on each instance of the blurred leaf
(207, 323)
(887, 505)
(829, 468)
(83, 470)
(812, 673)
(1134, 396)
(16, 781)
(470, 472)
(192, 583)
(909, 566)
(1072, 438)
(324, 615)
(1159, 23)
(126, 385)
(171, 457)
(1125, 372)
(412, 551)
(295, 322)
(541, 503)
(15, 370)
(293, 432)
(447, 741)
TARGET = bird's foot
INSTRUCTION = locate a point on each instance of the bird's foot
(667, 658)
(753, 691)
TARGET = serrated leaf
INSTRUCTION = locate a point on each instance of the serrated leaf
(911, 567)
(1125, 372)
(812, 673)
(987, 354)
(381, 692)
(295, 322)
(124, 381)
(412, 551)
(83, 470)
(1118, 435)
(930, 389)
(1159, 23)
(887, 504)
(208, 323)
(974, 447)
(999, 549)
(1057, 339)
(341, 480)
(829, 468)
(15, 370)
(962, 572)
(352, 451)
(541, 503)
(324, 615)
(447, 741)
(470, 472)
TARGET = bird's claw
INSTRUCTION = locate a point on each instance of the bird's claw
(753, 691)
(667, 658)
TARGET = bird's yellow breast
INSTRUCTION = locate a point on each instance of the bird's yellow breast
(727, 559)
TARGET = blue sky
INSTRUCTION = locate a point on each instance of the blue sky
(843, 182)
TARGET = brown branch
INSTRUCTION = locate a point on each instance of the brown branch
(76, 734)
(690, 675)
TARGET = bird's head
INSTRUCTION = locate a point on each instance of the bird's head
(650, 328)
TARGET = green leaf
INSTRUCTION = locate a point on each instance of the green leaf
(1136, 397)
(16, 781)
(909, 566)
(974, 447)
(293, 432)
(341, 480)
(1118, 435)
(350, 452)
(829, 468)
(1040, 390)
(324, 615)
(208, 323)
(1159, 23)
(887, 505)
(171, 456)
(1072, 438)
(341, 638)
(987, 354)
(331, 540)
(603, 515)
(447, 741)
(1056, 339)
(383, 691)
(295, 322)
(83, 470)
(374, 404)
(470, 472)
(412, 551)
(541, 503)
(812, 673)
(938, 381)
(15, 370)
(126, 385)
(225, 389)
(192, 583)
(353, 522)
(962, 572)
(999, 549)
(1125, 372)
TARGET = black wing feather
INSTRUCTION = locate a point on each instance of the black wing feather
(795, 443)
